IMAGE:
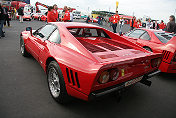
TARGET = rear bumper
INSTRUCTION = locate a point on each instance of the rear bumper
(168, 67)
(117, 87)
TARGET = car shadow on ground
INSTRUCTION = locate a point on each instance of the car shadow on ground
(168, 76)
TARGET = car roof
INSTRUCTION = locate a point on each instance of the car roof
(151, 30)
(74, 24)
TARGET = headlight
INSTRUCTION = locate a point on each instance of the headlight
(104, 77)
(155, 62)
(114, 74)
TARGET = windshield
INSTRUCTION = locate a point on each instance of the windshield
(163, 36)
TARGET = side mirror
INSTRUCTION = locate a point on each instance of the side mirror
(29, 29)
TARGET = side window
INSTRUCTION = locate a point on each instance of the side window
(46, 31)
(136, 33)
(128, 33)
(145, 36)
(55, 37)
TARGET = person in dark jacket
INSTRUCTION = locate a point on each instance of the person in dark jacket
(88, 19)
(171, 26)
(6, 15)
(21, 14)
(155, 25)
(1, 22)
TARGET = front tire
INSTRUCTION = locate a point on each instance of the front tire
(56, 83)
(22, 48)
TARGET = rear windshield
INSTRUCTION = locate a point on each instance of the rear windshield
(88, 32)
(163, 36)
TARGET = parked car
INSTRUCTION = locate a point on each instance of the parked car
(86, 61)
(93, 20)
(158, 42)
(37, 16)
(26, 17)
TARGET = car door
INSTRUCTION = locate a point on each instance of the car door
(37, 41)
(49, 45)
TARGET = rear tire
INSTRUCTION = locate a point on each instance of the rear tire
(148, 49)
(56, 83)
(23, 49)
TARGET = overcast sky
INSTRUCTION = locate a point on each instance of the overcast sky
(156, 9)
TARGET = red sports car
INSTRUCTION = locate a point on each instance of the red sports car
(26, 17)
(87, 61)
(158, 42)
(93, 20)
(37, 16)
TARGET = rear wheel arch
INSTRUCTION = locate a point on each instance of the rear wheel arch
(49, 59)
(148, 48)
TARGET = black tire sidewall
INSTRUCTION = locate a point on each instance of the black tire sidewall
(63, 96)
(148, 49)
(25, 54)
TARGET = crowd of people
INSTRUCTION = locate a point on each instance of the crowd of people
(67, 16)
(53, 15)
(136, 23)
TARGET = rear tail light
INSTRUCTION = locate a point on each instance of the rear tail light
(155, 62)
(104, 77)
(110, 75)
(114, 74)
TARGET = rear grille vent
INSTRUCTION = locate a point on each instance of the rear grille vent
(72, 77)
(166, 54)
(107, 46)
(92, 48)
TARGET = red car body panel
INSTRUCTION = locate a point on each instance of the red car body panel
(74, 56)
(168, 49)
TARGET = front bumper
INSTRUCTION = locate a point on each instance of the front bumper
(117, 87)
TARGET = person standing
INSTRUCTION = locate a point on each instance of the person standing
(71, 14)
(21, 14)
(66, 17)
(138, 24)
(56, 14)
(51, 15)
(115, 20)
(6, 15)
(148, 24)
(162, 25)
(110, 20)
(88, 19)
(171, 26)
(121, 23)
(2, 17)
(133, 22)
(155, 25)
